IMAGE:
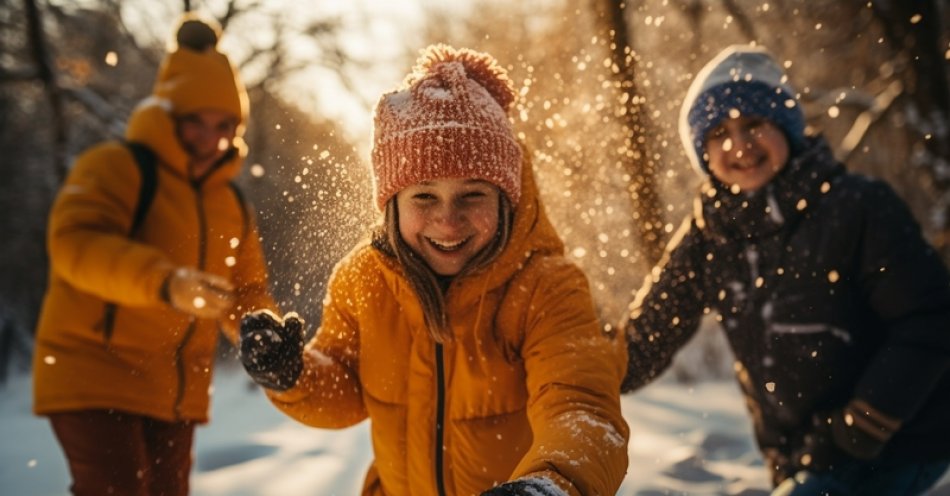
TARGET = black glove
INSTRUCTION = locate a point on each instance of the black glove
(861, 430)
(272, 348)
(531, 486)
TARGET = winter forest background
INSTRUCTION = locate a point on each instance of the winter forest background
(600, 84)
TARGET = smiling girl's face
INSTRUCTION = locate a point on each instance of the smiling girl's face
(448, 221)
(746, 152)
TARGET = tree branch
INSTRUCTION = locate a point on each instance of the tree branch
(745, 24)
(859, 129)
(18, 74)
(98, 106)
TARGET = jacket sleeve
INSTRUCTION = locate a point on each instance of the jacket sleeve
(908, 288)
(667, 309)
(250, 280)
(573, 373)
(88, 236)
(328, 393)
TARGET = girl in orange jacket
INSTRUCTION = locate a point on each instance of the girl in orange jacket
(460, 330)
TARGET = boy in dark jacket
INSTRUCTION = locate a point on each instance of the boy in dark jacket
(836, 309)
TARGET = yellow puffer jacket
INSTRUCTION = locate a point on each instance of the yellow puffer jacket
(528, 386)
(150, 359)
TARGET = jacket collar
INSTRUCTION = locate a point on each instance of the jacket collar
(727, 216)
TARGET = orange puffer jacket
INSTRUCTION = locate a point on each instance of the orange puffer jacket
(151, 360)
(527, 387)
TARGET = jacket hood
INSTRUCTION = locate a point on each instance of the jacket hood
(152, 125)
(531, 233)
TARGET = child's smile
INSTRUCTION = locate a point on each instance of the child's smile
(448, 246)
(448, 221)
(746, 152)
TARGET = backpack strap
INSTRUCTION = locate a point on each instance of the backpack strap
(146, 160)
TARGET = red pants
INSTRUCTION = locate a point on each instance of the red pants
(111, 452)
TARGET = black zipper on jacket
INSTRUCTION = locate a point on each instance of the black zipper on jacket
(439, 417)
(202, 248)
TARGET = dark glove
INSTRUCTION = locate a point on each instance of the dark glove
(857, 431)
(861, 430)
(531, 486)
(272, 348)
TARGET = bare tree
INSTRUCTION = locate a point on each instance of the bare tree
(745, 23)
(916, 30)
(638, 159)
(44, 71)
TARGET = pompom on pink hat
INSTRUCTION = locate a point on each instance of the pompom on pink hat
(449, 121)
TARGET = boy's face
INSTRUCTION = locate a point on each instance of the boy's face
(746, 152)
(448, 221)
(206, 134)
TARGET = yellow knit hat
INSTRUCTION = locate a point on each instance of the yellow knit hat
(196, 76)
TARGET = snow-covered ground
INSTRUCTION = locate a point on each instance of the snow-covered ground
(685, 440)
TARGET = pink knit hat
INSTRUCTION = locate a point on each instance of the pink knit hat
(449, 121)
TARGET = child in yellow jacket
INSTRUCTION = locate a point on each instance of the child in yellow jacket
(460, 329)
(141, 285)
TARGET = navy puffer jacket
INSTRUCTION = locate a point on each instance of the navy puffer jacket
(826, 291)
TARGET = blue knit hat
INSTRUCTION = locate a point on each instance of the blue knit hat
(743, 79)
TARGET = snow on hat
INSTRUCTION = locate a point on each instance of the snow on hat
(745, 79)
(194, 75)
(449, 121)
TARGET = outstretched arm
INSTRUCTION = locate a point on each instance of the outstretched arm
(667, 309)
(573, 373)
(320, 385)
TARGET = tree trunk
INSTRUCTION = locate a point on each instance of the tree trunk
(915, 29)
(638, 159)
(44, 69)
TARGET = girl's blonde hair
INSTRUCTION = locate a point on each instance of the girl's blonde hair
(422, 278)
